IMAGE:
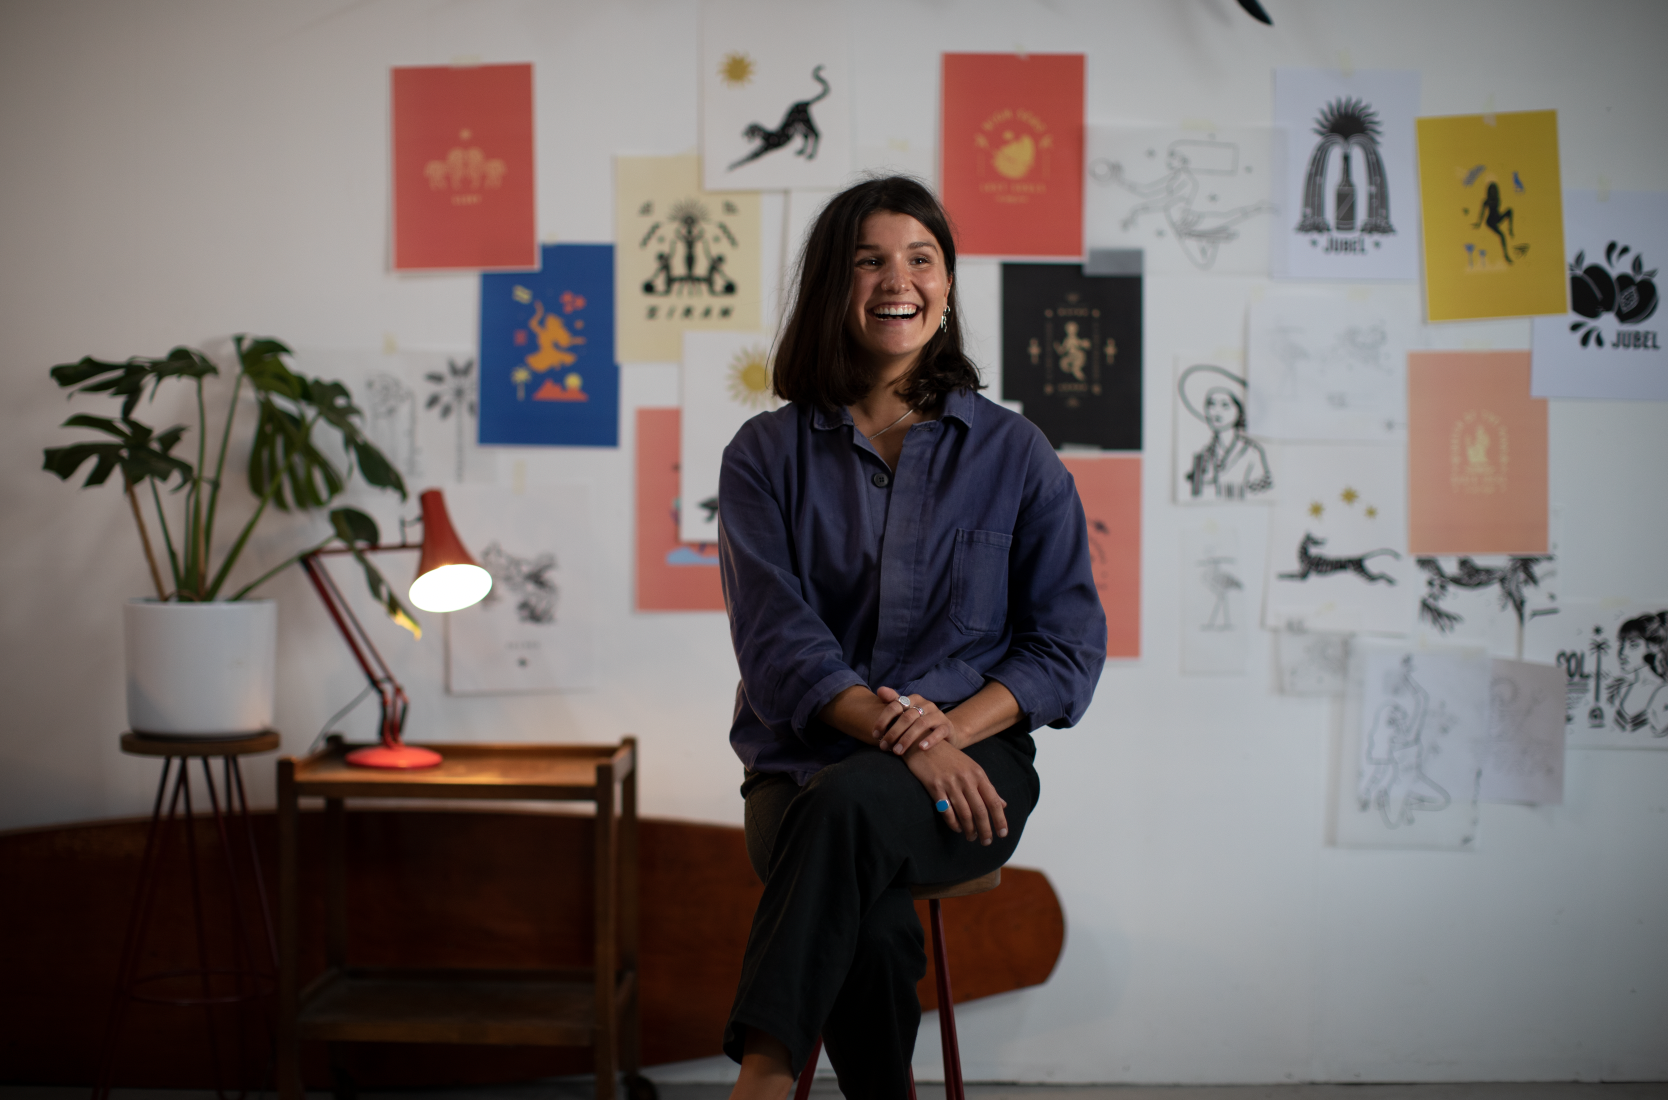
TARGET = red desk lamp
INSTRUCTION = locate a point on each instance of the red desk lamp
(447, 580)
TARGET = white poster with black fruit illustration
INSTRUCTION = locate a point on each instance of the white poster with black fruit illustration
(534, 630)
(1195, 201)
(1610, 344)
(726, 382)
(1346, 187)
(775, 96)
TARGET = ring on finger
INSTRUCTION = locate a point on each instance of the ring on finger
(942, 805)
(903, 701)
(918, 710)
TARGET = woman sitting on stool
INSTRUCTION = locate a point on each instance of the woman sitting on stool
(887, 527)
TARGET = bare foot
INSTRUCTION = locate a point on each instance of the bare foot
(765, 1074)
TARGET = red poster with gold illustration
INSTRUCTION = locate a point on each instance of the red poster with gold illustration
(463, 168)
(1012, 153)
(1476, 454)
(1110, 488)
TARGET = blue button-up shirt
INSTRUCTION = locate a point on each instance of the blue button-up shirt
(969, 563)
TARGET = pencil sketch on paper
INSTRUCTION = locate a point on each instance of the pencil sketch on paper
(391, 421)
(1325, 366)
(1219, 580)
(1418, 722)
(528, 581)
(454, 395)
(796, 123)
(1198, 227)
(1524, 757)
(1312, 564)
(1225, 463)
(1393, 779)
(1312, 664)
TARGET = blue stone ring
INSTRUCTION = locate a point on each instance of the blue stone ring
(942, 805)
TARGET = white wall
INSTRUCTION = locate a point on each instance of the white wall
(178, 171)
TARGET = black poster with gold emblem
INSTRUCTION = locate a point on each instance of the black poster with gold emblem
(1071, 353)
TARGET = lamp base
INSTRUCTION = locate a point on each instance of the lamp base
(393, 756)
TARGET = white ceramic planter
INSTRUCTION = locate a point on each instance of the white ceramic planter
(200, 671)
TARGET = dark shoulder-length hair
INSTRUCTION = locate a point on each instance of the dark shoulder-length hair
(816, 359)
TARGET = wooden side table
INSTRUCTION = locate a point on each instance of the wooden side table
(595, 1006)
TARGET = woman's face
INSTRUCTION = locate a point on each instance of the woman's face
(1630, 654)
(898, 291)
(1221, 413)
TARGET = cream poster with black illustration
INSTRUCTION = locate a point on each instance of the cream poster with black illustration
(685, 260)
(775, 96)
(726, 382)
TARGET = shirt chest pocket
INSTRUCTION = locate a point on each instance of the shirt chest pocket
(979, 581)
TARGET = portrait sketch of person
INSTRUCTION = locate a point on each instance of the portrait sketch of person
(1216, 459)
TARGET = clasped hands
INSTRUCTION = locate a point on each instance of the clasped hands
(926, 739)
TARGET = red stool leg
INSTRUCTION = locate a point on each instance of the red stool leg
(946, 1006)
(809, 1072)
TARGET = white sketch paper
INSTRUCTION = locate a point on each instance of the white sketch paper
(726, 382)
(1523, 759)
(534, 631)
(1411, 759)
(1219, 587)
(1311, 663)
(1611, 343)
(1217, 458)
(1331, 364)
(419, 409)
(1614, 657)
(1345, 183)
(1486, 600)
(1337, 550)
(1196, 201)
(775, 96)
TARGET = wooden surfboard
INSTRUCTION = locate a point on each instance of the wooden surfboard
(429, 888)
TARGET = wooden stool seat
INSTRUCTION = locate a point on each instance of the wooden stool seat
(932, 894)
(982, 884)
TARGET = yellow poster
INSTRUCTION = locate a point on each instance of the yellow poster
(684, 259)
(1493, 215)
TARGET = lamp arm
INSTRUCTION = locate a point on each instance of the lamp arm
(389, 692)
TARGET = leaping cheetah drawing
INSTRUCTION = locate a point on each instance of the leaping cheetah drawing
(1310, 563)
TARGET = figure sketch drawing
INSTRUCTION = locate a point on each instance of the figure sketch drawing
(1200, 232)
(1393, 779)
(1232, 466)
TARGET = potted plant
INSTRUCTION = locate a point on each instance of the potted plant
(201, 655)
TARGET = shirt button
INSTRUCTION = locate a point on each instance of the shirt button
(881, 480)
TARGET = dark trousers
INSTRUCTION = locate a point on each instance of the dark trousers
(836, 948)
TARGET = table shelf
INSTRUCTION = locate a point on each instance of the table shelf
(573, 1007)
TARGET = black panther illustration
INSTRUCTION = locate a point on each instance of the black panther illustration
(796, 123)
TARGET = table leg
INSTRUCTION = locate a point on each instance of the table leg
(607, 1026)
(289, 1067)
(630, 1035)
(335, 884)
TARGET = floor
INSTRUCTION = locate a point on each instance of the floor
(578, 1090)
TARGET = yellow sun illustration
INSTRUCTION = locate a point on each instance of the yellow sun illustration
(1372, 513)
(736, 69)
(1350, 496)
(750, 378)
(1316, 509)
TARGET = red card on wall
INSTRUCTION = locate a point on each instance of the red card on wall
(1012, 153)
(671, 575)
(1110, 488)
(463, 168)
(1476, 454)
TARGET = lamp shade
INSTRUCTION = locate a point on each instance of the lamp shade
(447, 577)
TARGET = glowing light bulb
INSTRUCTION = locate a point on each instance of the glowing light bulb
(451, 587)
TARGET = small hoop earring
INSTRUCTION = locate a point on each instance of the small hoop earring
(944, 320)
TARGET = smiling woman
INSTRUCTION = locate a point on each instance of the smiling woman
(906, 568)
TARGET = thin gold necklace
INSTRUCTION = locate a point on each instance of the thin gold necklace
(890, 426)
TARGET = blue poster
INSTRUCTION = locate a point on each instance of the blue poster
(548, 375)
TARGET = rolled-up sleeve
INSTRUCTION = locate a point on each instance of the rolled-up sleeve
(1058, 641)
(791, 664)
